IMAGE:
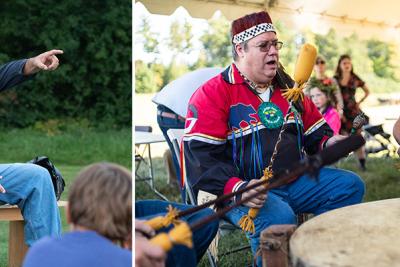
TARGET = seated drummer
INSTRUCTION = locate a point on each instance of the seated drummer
(235, 122)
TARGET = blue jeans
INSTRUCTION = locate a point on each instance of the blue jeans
(165, 124)
(29, 186)
(181, 255)
(336, 188)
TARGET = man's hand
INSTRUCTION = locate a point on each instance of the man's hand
(258, 201)
(143, 229)
(147, 254)
(44, 61)
(334, 139)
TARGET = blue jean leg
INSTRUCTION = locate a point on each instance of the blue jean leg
(336, 188)
(274, 211)
(181, 255)
(29, 186)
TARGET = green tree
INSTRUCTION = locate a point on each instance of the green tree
(288, 53)
(180, 38)
(328, 47)
(144, 82)
(356, 48)
(94, 77)
(147, 37)
(180, 44)
(158, 75)
(217, 47)
(173, 71)
(381, 54)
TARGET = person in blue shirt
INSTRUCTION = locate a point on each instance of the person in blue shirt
(28, 185)
(100, 213)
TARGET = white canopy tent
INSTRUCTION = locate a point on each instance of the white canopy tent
(378, 19)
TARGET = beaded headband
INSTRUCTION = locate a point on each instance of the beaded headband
(252, 32)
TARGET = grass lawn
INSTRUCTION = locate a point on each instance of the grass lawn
(382, 181)
(70, 152)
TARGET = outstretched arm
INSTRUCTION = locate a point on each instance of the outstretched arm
(18, 71)
(45, 61)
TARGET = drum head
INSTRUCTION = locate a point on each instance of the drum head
(367, 234)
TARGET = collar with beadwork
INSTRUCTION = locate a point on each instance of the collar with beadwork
(232, 75)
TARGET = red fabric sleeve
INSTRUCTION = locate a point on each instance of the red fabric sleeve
(231, 184)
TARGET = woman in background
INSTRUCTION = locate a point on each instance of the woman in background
(348, 83)
(319, 71)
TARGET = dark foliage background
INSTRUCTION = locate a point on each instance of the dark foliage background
(93, 81)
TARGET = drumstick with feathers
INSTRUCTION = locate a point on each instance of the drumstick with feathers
(182, 232)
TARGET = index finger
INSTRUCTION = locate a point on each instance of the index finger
(54, 52)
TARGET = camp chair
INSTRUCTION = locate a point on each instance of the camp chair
(378, 140)
(225, 227)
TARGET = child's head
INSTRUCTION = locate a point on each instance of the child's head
(321, 92)
(100, 199)
(319, 98)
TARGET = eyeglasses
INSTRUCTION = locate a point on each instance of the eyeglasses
(320, 62)
(265, 46)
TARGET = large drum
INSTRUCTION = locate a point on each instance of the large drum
(365, 235)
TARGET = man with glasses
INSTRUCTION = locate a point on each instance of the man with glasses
(234, 130)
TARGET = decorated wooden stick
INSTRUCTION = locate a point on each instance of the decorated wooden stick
(246, 222)
(164, 221)
(173, 214)
(182, 233)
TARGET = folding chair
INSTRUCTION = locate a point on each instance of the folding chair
(176, 135)
(139, 155)
(140, 151)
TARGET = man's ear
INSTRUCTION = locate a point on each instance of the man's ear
(239, 50)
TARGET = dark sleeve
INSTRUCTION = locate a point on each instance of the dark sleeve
(207, 167)
(11, 74)
(208, 163)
